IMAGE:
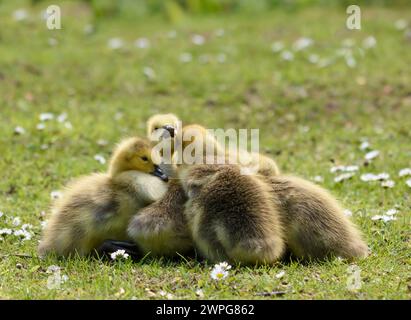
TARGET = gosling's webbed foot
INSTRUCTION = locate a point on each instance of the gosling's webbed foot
(110, 246)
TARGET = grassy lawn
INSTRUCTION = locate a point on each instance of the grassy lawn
(311, 115)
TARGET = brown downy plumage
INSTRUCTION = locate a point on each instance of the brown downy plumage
(161, 227)
(232, 216)
(99, 206)
(314, 223)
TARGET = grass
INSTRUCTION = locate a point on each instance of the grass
(310, 118)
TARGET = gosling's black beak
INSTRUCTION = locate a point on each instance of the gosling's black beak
(159, 173)
(170, 130)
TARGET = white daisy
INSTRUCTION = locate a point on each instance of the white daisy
(277, 46)
(53, 268)
(115, 43)
(347, 213)
(46, 116)
(388, 184)
(318, 179)
(186, 57)
(142, 43)
(408, 182)
(391, 212)
(23, 233)
(56, 194)
(369, 42)
(405, 172)
(364, 145)
(119, 254)
(200, 293)
(198, 39)
(314, 58)
(372, 154)
(344, 168)
(302, 43)
(350, 61)
(375, 177)
(384, 218)
(102, 142)
(149, 73)
(68, 125)
(20, 15)
(19, 130)
(41, 126)
(287, 55)
(16, 221)
(280, 274)
(344, 176)
(218, 273)
(401, 24)
(62, 117)
(100, 158)
(6, 231)
(224, 265)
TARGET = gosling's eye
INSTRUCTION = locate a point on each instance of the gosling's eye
(155, 128)
(144, 158)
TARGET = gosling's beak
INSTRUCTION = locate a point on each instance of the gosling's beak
(159, 173)
(170, 130)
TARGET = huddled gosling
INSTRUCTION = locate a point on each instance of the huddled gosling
(99, 206)
(232, 216)
(314, 222)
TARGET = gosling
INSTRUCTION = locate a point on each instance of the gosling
(98, 207)
(232, 216)
(314, 223)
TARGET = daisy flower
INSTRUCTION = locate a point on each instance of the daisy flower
(220, 271)
(302, 43)
(100, 158)
(344, 176)
(388, 184)
(119, 254)
(198, 39)
(19, 130)
(372, 154)
(142, 43)
(405, 172)
(115, 43)
(46, 116)
(56, 194)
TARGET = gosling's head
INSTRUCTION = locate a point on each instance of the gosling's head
(159, 123)
(135, 154)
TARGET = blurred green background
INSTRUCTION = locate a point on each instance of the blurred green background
(316, 90)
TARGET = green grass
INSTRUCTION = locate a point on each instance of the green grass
(310, 118)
